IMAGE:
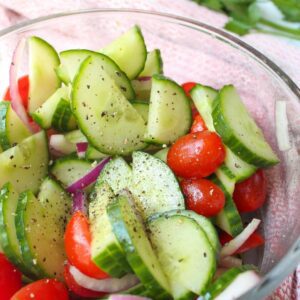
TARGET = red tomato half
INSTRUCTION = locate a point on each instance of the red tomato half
(23, 90)
(250, 194)
(10, 278)
(203, 196)
(253, 241)
(45, 289)
(196, 155)
(76, 288)
(78, 246)
(187, 86)
(198, 124)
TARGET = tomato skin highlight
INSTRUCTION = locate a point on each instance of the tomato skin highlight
(23, 84)
(255, 240)
(78, 246)
(187, 86)
(203, 196)
(10, 278)
(196, 155)
(249, 195)
(45, 289)
(76, 288)
(198, 124)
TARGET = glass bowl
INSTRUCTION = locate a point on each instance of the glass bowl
(193, 51)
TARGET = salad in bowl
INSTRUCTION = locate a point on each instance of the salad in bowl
(119, 183)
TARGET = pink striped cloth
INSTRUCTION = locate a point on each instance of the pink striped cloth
(13, 11)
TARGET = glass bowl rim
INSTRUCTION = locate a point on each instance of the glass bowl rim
(287, 264)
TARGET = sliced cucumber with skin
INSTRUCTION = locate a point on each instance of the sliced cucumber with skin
(26, 164)
(12, 129)
(131, 234)
(107, 119)
(169, 112)
(40, 224)
(72, 59)
(183, 249)
(8, 236)
(106, 251)
(69, 169)
(219, 285)
(229, 218)
(153, 65)
(43, 60)
(162, 154)
(142, 88)
(117, 173)
(154, 185)
(138, 290)
(205, 224)
(75, 136)
(142, 108)
(239, 131)
(92, 153)
(227, 178)
(128, 51)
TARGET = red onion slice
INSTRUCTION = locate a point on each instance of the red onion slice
(89, 178)
(109, 285)
(16, 100)
(81, 149)
(232, 246)
(79, 202)
(230, 262)
(126, 297)
(144, 78)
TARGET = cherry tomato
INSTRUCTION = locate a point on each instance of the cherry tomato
(187, 86)
(249, 195)
(196, 155)
(198, 124)
(203, 196)
(10, 278)
(45, 289)
(76, 288)
(78, 246)
(23, 90)
(253, 241)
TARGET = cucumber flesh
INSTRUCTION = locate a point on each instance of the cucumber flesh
(72, 59)
(75, 136)
(131, 234)
(162, 154)
(12, 129)
(26, 164)
(239, 131)
(153, 65)
(142, 108)
(154, 185)
(169, 112)
(226, 178)
(93, 154)
(40, 224)
(43, 60)
(183, 249)
(106, 251)
(128, 51)
(107, 119)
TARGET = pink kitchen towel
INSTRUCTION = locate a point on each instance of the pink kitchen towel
(14, 11)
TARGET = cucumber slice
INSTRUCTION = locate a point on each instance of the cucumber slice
(229, 218)
(8, 236)
(153, 65)
(205, 224)
(40, 224)
(138, 290)
(12, 129)
(227, 178)
(106, 251)
(239, 131)
(107, 119)
(142, 89)
(26, 164)
(162, 154)
(72, 59)
(235, 168)
(128, 51)
(183, 249)
(169, 112)
(154, 185)
(93, 154)
(75, 136)
(43, 60)
(218, 286)
(117, 173)
(142, 108)
(69, 169)
(130, 233)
